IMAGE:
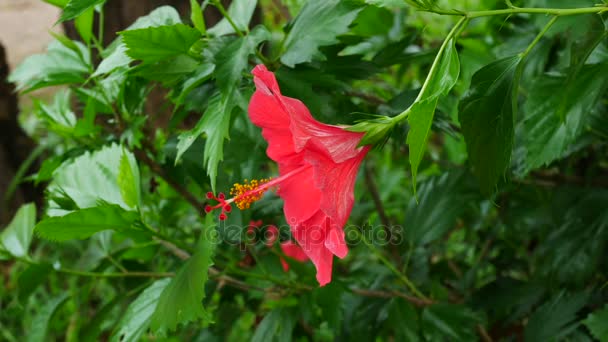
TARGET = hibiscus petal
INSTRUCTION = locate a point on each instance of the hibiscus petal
(301, 197)
(311, 236)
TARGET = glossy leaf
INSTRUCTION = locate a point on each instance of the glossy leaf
(547, 136)
(75, 8)
(277, 325)
(448, 321)
(553, 319)
(83, 223)
(181, 301)
(318, 24)
(487, 120)
(136, 320)
(153, 44)
(597, 323)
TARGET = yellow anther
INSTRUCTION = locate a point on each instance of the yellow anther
(247, 193)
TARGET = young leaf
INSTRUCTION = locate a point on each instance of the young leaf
(136, 319)
(83, 223)
(182, 300)
(153, 44)
(17, 236)
(240, 11)
(547, 136)
(75, 8)
(318, 24)
(196, 16)
(441, 79)
(597, 323)
(128, 180)
(40, 323)
(84, 25)
(232, 60)
(487, 120)
(215, 123)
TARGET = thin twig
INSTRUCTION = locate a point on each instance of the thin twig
(373, 190)
(391, 294)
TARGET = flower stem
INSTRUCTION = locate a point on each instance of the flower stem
(225, 14)
(434, 68)
(538, 37)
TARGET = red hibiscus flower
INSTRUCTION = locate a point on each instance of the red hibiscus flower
(318, 165)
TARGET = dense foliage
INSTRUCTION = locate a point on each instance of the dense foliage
(480, 214)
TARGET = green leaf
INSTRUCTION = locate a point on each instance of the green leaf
(232, 60)
(196, 16)
(318, 24)
(40, 323)
(442, 200)
(128, 181)
(449, 322)
(547, 137)
(58, 115)
(240, 11)
(215, 123)
(83, 223)
(554, 319)
(487, 120)
(89, 179)
(404, 321)
(60, 65)
(136, 319)
(84, 25)
(17, 236)
(198, 77)
(168, 71)
(182, 300)
(277, 325)
(75, 8)
(59, 3)
(153, 44)
(31, 278)
(597, 323)
(118, 58)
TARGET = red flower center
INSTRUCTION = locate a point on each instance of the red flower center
(247, 193)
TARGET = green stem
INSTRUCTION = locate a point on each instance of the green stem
(392, 267)
(101, 28)
(224, 13)
(434, 68)
(538, 37)
(516, 10)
